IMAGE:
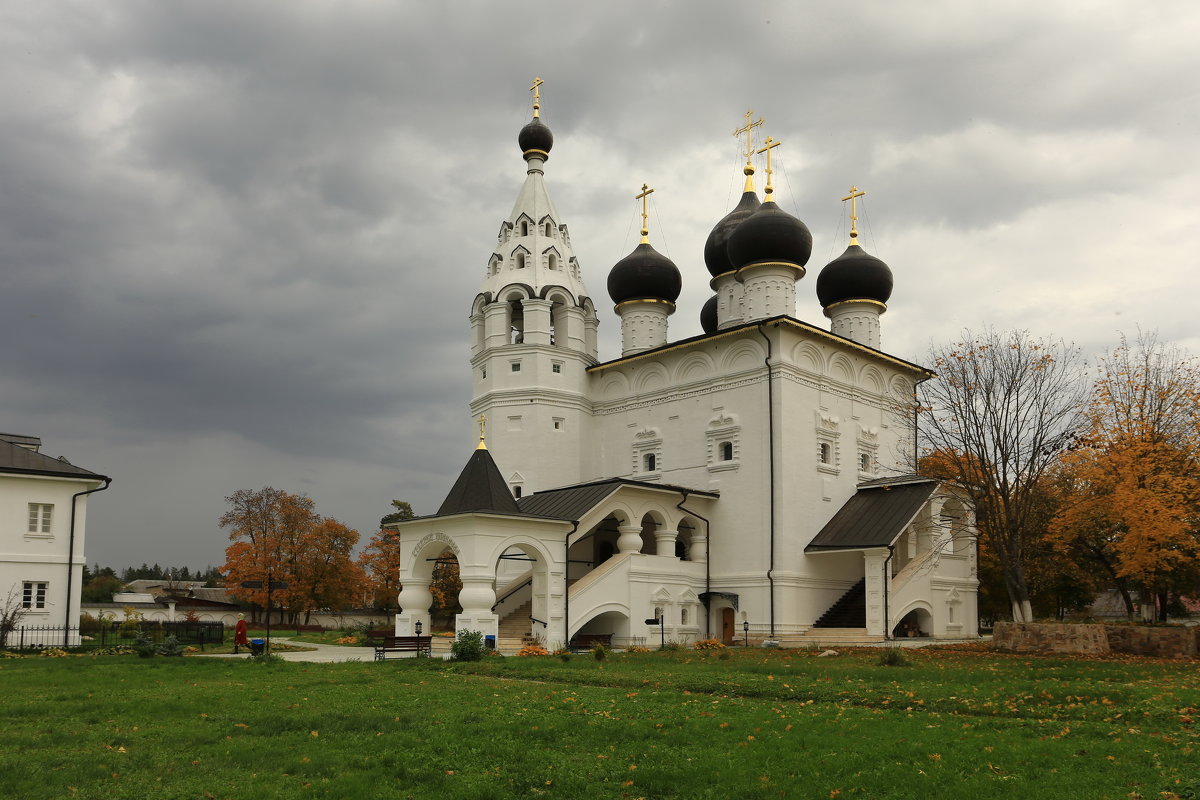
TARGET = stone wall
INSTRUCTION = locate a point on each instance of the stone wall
(1044, 637)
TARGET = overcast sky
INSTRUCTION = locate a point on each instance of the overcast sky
(239, 240)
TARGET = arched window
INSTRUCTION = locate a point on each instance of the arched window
(552, 261)
(548, 228)
(824, 452)
(524, 227)
(520, 261)
(864, 462)
(683, 616)
(517, 492)
(727, 451)
(649, 462)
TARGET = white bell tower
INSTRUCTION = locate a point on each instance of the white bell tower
(533, 333)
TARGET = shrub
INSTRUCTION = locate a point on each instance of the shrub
(170, 646)
(893, 657)
(144, 646)
(723, 655)
(533, 650)
(467, 646)
(709, 644)
(599, 652)
(637, 648)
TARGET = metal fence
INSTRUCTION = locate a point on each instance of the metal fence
(37, 637)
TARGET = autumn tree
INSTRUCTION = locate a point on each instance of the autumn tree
(278, 536)
(380, 559)
(1003, 407)
(1135, 491)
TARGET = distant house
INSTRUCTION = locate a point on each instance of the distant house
(43, 513)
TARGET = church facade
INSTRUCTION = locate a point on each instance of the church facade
(747, 482)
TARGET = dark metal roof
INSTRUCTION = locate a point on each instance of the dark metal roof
(20, 460)
(572, 502)
(480, 487)
(875, 516)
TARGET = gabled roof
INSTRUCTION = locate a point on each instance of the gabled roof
(876, 515)
(480, 487)
(15, 459)
(573, 502)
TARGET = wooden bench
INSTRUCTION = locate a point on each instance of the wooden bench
(421, 645)
(587, 641)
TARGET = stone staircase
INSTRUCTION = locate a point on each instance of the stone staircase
(850, 611)
(513, 632)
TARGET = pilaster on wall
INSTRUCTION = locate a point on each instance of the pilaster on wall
(873, 566)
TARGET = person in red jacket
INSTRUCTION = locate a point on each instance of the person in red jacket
(239, 633)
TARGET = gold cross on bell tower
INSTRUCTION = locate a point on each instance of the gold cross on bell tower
(749, 131)
(537, 96)
(482, 432)
(855, 193)
(769, 145)
(646, 192)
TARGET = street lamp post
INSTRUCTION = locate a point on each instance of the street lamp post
(746, 632)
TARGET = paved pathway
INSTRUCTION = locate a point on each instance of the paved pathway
(321, 653)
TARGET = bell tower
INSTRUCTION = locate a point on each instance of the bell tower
(533, 333)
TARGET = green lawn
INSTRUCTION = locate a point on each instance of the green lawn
(687, 725)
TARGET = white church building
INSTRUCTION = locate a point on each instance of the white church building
(748, 482)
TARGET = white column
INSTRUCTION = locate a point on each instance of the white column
(729, 300)
(664, 540)
(415, 600)
(537, 321)
(630, 540)
(477, 597)
(699, 548)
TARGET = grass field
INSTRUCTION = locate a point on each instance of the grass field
(660, 725)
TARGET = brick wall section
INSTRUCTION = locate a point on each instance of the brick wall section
(1045, 637)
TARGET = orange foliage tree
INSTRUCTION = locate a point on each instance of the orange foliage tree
(278, 536)
(380, 559)
(1134, 504)
(1003, 407)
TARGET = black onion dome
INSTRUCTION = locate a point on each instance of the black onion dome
(716, 256)
(708, 315)
(535, 136)
(770, 234)
(644, 274)
(854, 275)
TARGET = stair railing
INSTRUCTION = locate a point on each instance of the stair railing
(510, 593)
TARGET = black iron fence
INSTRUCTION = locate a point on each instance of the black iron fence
(111, 634)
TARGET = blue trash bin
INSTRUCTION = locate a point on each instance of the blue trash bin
(489, 642)
(257, 646)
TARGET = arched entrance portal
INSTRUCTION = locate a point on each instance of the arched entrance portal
(523, 607)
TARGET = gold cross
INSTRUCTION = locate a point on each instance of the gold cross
(536, 95)
(768, 146)
(646, 192)
(749, 131)
(855, 193)
(482, 431)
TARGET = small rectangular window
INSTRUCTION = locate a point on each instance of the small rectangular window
(558, 424)
(33, 595)
(39, 517)
(516, 366)
(556, 367)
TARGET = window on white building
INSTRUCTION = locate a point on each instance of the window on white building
(727, 451)
(556, 367)
(33, 595)
(649, 462)
(824, 453)
(39, 517)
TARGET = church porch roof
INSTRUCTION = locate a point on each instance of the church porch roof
(875, 516)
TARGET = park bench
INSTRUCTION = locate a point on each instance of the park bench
(421, 645)
(586, 641)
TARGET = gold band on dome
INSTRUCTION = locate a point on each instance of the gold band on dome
(754, 264)
(644, 300)
(857, 300)
(539, 152)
